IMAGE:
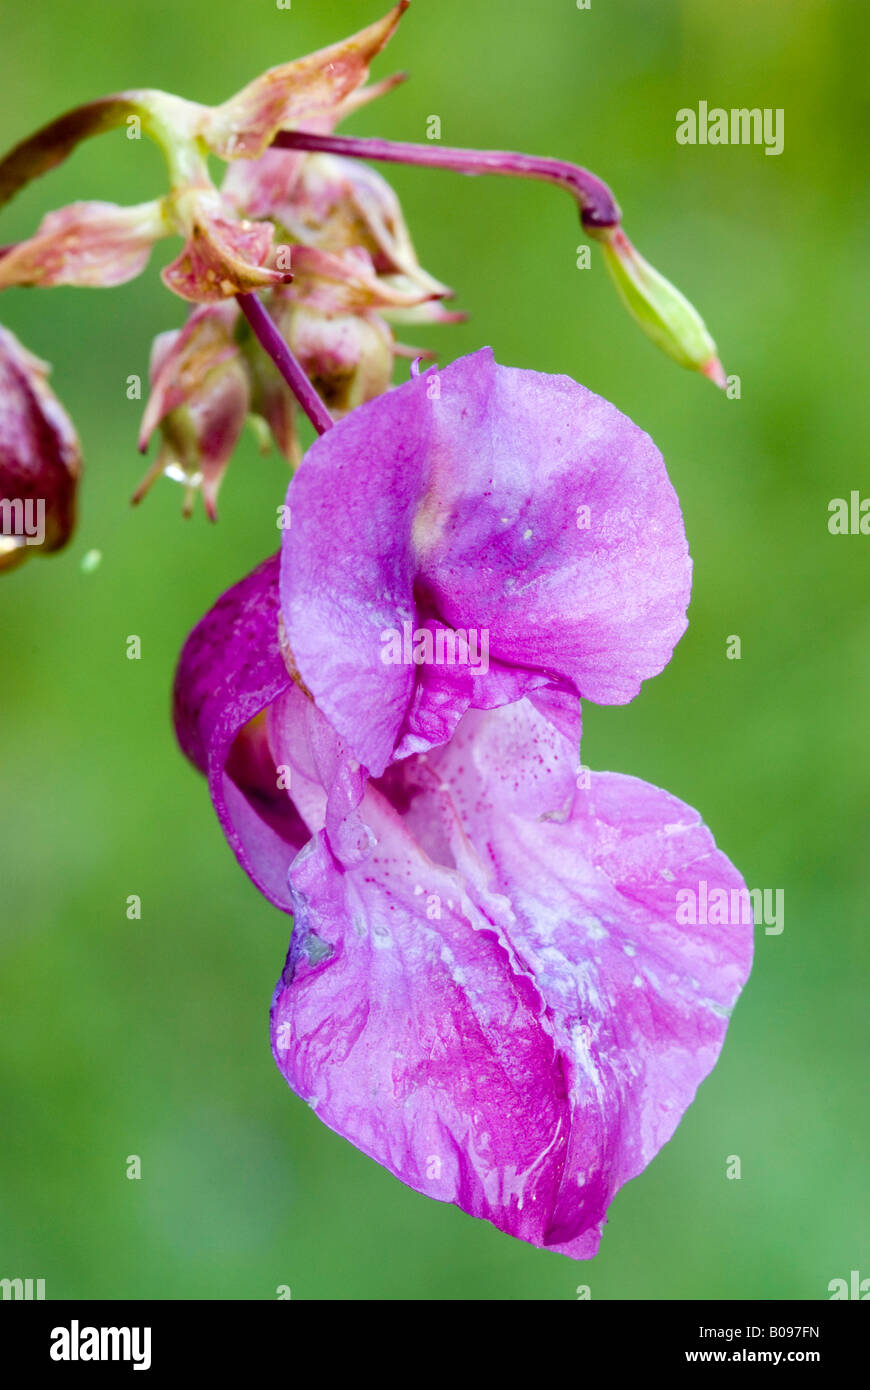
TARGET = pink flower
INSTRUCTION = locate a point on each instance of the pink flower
(488, 989)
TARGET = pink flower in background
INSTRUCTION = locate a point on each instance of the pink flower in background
(487, 989)
(40, 458)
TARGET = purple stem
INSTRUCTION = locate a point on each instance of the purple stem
(288, 365)
(598, 207)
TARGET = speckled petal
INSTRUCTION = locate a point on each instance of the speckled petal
(418, 1038)
(182, 358)
(327, 783)
(501, 1004)
(222, 255)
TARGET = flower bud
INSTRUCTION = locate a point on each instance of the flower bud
(665, 315)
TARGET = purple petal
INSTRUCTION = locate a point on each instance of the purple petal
(461, 510)
(230, 671)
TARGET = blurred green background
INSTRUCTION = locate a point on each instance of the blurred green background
(150, 1037)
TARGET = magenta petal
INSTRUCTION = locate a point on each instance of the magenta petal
(499, 1004)
(230, 671)
(463, 507)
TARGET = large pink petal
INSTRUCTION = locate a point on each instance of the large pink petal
(460, 507)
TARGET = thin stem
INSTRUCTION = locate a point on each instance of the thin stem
(598, 207)
(288, 365)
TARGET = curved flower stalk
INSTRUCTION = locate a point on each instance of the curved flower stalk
(664, 314)
(333, 205)
(488, 989)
